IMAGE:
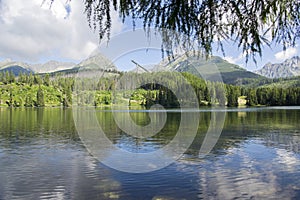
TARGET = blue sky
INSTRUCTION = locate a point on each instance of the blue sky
(33, 33)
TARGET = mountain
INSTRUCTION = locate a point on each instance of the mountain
(51, 66)
(97, 61)
(16, 70)
(230, 73)
(9, 63)
(96, 65)
(289, 68)
(15, 67)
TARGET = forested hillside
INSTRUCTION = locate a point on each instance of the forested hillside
(170, 89)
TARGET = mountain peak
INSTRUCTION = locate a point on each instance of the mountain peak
(202, 66)
(97, 61)
(288, 68)
(51, 66)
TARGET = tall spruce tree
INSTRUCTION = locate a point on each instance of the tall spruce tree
(40, 101)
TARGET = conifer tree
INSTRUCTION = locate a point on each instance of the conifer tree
(40, 102)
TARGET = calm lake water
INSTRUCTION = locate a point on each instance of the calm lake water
(257, 156)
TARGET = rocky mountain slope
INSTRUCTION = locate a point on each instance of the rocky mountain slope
(51, 66)
(94, 62)
(48, 67)
(209, 69)
(288, 68)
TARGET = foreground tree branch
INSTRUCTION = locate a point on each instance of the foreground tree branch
(200, 23)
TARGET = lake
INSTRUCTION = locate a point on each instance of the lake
(256, 155)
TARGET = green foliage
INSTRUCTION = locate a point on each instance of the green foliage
(28, 101)
(201, 23)
(27, 92)
(37, 80)
(271, 83)
(59, 91)
(47, 80)
(251, 98)
(40, 102)
(102, 98)
(273, 96)
(220, 93)
(233, 93)
(7, 77)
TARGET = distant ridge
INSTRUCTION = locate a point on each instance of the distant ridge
(15, 67)
(50, 66)
(97, 61)
(93, 65)
(288, 68)
(230, 73)
(16, 70)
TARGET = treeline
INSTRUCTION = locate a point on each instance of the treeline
(31, 90)
(211, 93)
(170, 89)
(273, 96)
(174, 89)
(271, 82)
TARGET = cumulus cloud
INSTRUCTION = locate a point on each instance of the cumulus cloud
(235, 60)
(229, 59)
(31, 31)
(288, 53)
(288, 159)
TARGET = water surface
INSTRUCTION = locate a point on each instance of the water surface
(257, 156)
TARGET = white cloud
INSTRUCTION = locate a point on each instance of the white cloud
(235, 60)
(230, 59)
(31, 31)
(288, 53)
(288, 159)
